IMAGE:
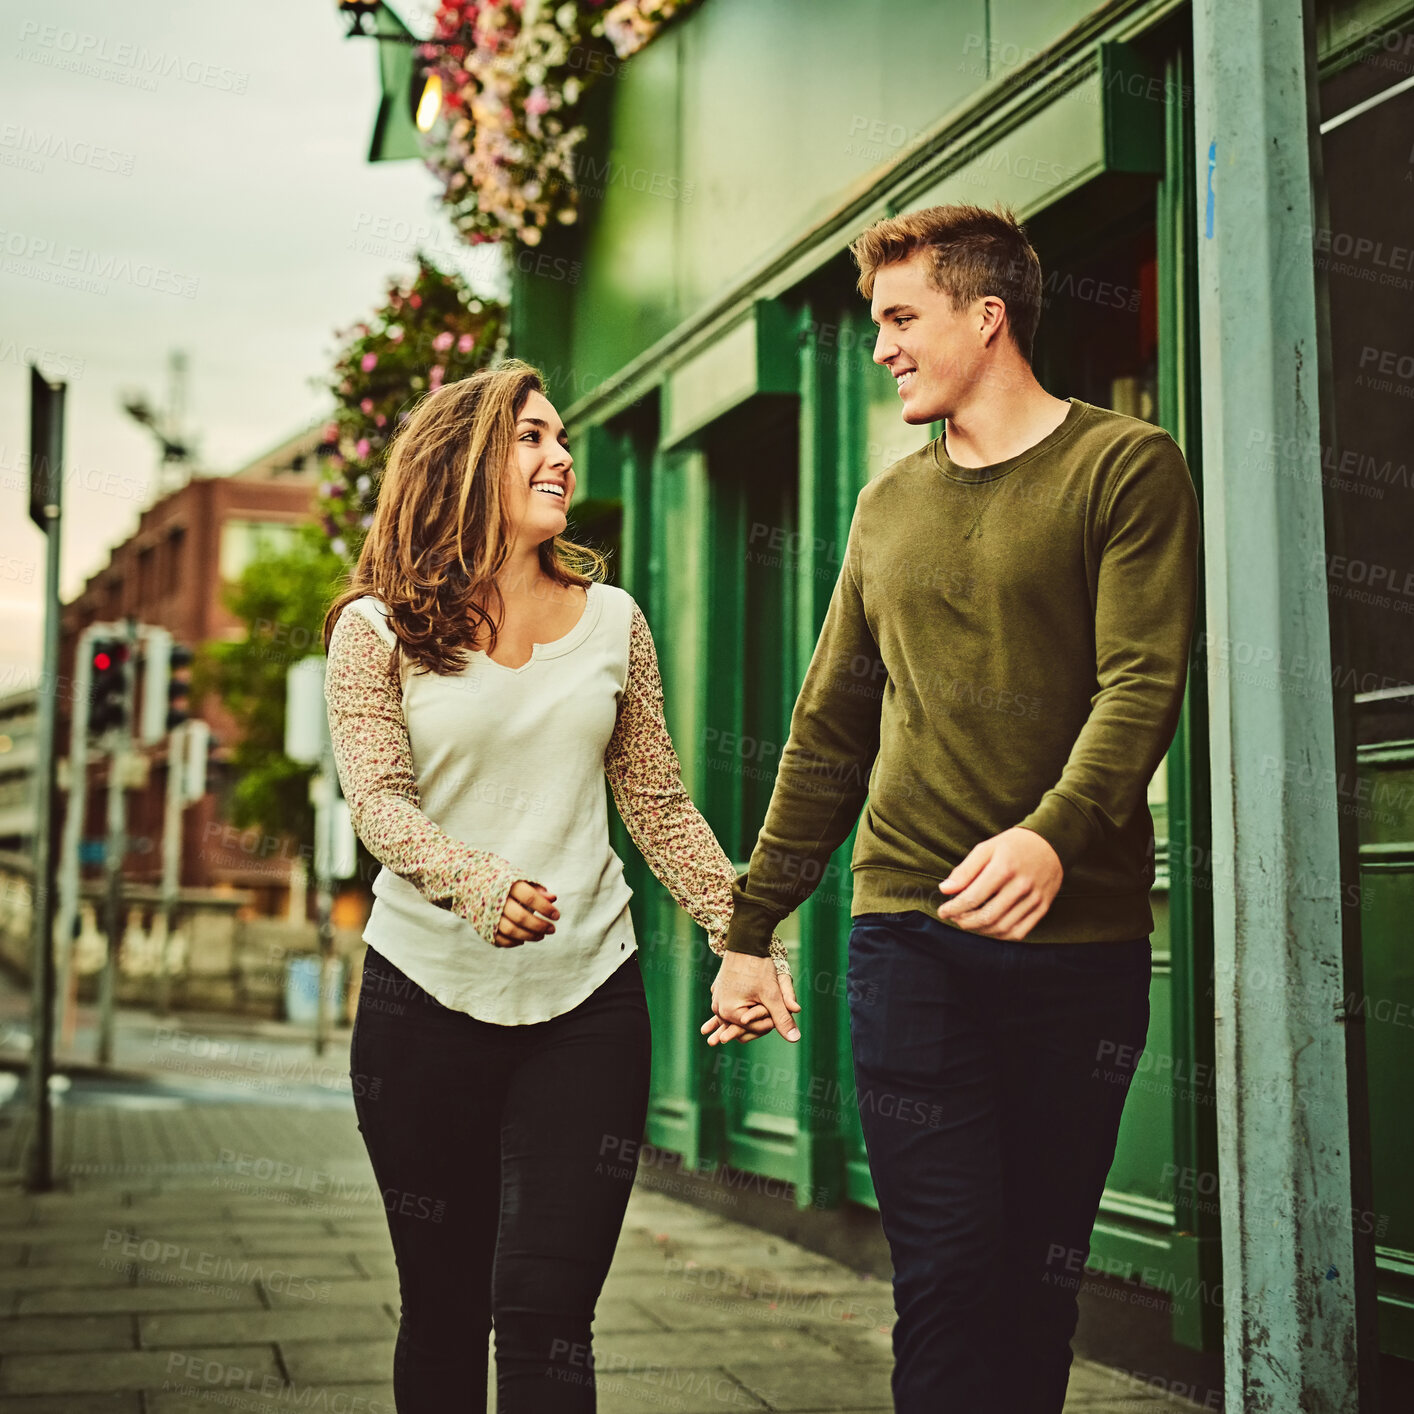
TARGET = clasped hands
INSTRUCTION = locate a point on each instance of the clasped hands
(1001, 890)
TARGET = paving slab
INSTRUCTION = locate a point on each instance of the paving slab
(54, 1334)
(622, 1315)
(710, 1348)
(683, 1389)
(338, 1361)
(115, 1402)
(799, 1385)
(95, 1372)
(186, 1328)
(363, 1398)
(353, 1292)
(1104, 1386)
(136, 1299)
(81, 1274)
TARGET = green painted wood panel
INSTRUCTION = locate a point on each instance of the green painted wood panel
(1019, 31)
(1387, 1006)
(680, 968)
(626, 295)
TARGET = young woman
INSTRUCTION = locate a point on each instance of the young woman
(482, 680)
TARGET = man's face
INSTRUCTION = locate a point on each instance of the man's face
(932, 350)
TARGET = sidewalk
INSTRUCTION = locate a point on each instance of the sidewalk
(189, 1271)
(220, 1245)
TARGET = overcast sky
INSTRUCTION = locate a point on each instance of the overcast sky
(201, 168)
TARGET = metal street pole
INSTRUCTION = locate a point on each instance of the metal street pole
(1297, 1281)
(171, 858)
(324, 867)
(75, 813)
(114, 922)
(46, 505)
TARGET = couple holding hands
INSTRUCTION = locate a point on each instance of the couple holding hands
(998, 677)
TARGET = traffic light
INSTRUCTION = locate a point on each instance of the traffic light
(166, 685)
(178, 685)
(108, 699)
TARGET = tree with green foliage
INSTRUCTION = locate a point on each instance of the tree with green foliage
(281, 597)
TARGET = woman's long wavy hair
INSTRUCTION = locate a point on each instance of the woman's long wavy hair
(441, 531)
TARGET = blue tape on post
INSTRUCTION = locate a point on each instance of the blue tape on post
(1212, 165)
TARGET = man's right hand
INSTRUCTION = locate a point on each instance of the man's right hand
(521, 918)
(746, 991)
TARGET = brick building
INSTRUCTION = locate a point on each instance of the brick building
(170, 572)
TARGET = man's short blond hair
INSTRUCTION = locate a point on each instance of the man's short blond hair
(970, 252)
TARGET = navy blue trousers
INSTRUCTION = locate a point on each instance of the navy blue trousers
(505, 1156)
(991, 1078)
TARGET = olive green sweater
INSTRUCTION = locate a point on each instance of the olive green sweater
(1006, 645)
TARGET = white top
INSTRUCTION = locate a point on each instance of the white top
(511, 760)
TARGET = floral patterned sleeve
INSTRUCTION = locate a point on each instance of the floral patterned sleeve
(374, 761)
(646, 777)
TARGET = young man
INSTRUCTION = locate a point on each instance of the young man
(1003, 662)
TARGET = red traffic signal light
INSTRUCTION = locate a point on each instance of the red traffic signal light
(108, 694)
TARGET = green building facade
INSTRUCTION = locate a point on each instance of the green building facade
(705, 343)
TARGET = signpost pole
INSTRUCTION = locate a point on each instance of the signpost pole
(45, 508)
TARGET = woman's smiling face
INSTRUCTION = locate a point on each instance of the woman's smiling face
(540, 483)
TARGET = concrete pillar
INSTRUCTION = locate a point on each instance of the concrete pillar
(1290, 1269)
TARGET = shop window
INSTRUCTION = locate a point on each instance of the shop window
(1099, 334)
(1368, 467)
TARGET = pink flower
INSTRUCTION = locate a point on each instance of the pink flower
(434, 379)
(368, 362)
(361, 448)
(381, 420)
(537, 101)
(443, 341)
(415, 301)
(331, 431)
(465, 344)
(367, 405)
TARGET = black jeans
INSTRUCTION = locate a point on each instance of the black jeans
(500, 1153)
(991, 1077)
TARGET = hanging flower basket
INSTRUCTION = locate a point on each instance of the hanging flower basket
(429, 332)
(513, 73)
